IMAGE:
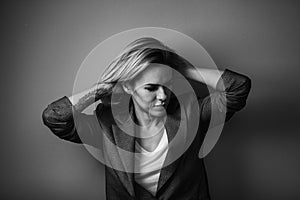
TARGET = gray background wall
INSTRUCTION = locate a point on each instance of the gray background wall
(44, 43)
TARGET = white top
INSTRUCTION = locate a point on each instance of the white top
(150, 163)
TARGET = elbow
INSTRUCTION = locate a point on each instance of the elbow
(63, 130)
(46, 116)
(59, 119)
(241, 92)
(49, 121)
(246, 91)
(237, 99)
(247, 85)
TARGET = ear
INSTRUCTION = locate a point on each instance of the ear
(127, 87)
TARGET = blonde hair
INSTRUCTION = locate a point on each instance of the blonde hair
(134, 58)
(137, 56)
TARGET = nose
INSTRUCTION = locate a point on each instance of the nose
(161, 94)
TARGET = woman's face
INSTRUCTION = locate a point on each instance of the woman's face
(150, 90)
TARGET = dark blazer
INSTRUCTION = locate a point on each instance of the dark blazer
(183, 179)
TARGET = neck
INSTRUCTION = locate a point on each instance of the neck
(146, 121)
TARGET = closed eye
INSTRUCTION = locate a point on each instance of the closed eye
(154, 87)
(151, 88)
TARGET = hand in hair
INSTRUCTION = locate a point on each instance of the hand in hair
(115, 89)
(97, 92)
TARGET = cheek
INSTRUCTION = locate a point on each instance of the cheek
(145, 97)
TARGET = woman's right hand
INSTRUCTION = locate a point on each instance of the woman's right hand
(114, 89)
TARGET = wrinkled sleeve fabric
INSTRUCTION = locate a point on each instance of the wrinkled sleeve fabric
(231, 94)
(59, 118)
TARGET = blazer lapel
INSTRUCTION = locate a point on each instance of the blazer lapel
(125, 144)
(176, 128)
(120, 152)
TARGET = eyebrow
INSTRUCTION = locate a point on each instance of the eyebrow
(155, 84)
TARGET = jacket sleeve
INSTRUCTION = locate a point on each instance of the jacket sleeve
(68, 124)
(230, 96)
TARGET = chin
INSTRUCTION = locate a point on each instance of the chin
(158, 113)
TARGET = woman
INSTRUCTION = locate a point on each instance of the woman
(139, 113)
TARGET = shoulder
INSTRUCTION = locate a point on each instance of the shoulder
(104, 114)
(187, 103)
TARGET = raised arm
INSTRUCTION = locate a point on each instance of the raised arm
(84, 99)
(209, 77)
(59, 116)
(231, 93)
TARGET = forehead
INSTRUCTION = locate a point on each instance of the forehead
(154, 74)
